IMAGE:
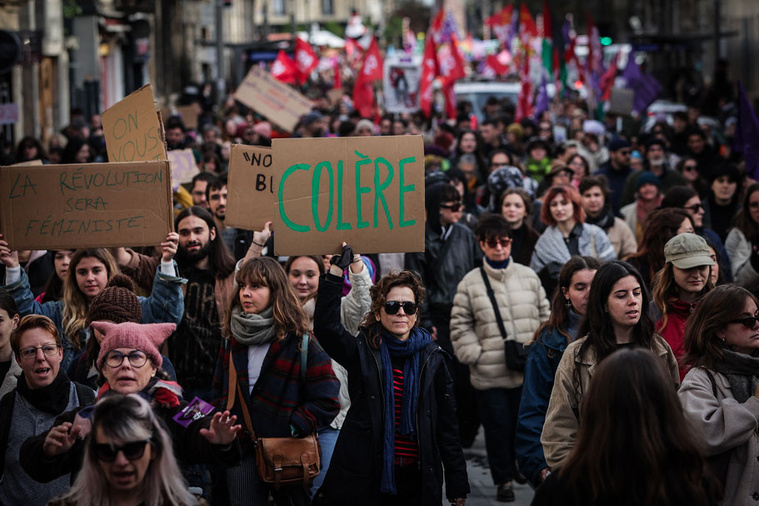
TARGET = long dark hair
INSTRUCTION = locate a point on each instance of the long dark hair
(559, 311)
(743, 221)
(371, 322)
(662, 225)
(597, 324)
(703, 348)
(222, 261)
(634, 445)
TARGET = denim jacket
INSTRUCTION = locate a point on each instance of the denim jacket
(165, 305)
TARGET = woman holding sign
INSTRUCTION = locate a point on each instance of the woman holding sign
(400, 433)
(90, 271)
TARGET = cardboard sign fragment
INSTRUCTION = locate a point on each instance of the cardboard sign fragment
(86, 205)
(183, 166)
(133, 129)
(280, 103)
(251, 187)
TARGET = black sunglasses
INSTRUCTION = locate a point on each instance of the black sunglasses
(747, 321)
(453, 207)
(392, 307)
(694, 208)
(132, 451)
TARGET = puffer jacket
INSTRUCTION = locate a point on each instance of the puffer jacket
(725, 425)
(475, 335)
(562, 417)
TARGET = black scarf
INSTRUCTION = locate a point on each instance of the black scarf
(741, 371)
(53, 398)
(604, 220)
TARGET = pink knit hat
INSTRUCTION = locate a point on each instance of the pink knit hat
(146, 337)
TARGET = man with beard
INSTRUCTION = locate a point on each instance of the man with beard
(237, 240)
(656, 163)
(209, 268)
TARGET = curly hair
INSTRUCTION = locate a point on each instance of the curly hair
(371, 322)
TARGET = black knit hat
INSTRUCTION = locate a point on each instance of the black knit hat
(117, 302)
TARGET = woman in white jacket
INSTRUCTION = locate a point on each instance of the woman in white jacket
(720, 394)
(743, 240)
(479, 343)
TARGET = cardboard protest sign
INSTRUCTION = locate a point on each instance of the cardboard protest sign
(133, 130)
(86, 205)
(621, 101)
(183, 166)
(400, 85)
(280, 103)
(366, 191)
(251, 187)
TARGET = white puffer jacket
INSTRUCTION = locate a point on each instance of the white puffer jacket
(475, 334)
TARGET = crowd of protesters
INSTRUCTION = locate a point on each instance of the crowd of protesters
(587, 296)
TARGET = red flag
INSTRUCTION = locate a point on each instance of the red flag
(547, 28)
(527, 26)
(608, 77)
(501, 22)
(372, 66)
(429, 71)
(337, 83)
(524, 99)
(284, 68)
(363, 97)
(305, 59)
(495, 66)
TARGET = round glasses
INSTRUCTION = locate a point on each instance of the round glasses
(31, 352)
(136, 358)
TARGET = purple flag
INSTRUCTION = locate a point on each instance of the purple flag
(746, 139)
(645, 87)
(542, 102)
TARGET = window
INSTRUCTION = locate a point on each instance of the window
(279, 7)
(328, 7)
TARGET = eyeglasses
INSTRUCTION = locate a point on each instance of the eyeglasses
(453, 207)
(136, 358)
(392, 307)
(132, 451)
(503, 241)
(625, 152)
(694, 208)
(747, 321)
(689, 168)
(31, 352)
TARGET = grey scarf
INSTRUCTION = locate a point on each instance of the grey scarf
(741, 371)
(251, 329)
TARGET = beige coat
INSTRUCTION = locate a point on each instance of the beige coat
(475, 335)
(725, 424)
(562, 417)
(622, 238)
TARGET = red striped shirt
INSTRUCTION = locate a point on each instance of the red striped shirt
(406, 448)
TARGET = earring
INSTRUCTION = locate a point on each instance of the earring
(568, 303)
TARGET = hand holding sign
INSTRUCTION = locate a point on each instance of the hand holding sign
(169, 247)
(8, 257)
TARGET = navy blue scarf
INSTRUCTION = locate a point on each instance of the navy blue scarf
(409, 349)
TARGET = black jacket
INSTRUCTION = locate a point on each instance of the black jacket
(355, 471)
(443, 264)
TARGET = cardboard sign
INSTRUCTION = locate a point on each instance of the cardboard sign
(133, 130)
(621, 101)
(280, 103)
(400, 85)
(86, 205)
(251, 187)
(183, 166)
(366, 191)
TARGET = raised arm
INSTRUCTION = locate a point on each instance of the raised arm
(358, 302)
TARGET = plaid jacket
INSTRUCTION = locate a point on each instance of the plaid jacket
(280, 399)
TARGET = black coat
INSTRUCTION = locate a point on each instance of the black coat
(355, 471)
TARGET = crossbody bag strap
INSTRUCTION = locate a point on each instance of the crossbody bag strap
(234, 388)
(497, 311)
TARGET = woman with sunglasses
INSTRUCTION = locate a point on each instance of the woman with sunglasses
(742, 243)
(400, 433)
(479, 341)
(42, 393)
(679, 287)
(567, 235)
(130, 363)
(719, 394)
(688, 167)
(128, 459)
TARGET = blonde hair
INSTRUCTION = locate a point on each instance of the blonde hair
(75, 303)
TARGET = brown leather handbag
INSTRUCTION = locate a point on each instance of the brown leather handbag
(288, 461)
